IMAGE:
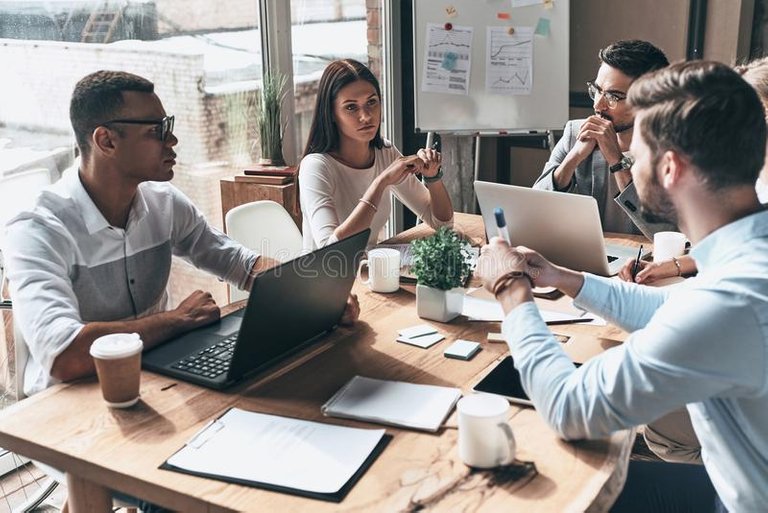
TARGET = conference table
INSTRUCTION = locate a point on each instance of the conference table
(69, 426)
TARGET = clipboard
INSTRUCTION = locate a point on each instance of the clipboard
(218, 428)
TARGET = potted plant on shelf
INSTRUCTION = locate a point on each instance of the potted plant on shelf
(440, 264)
(269, 120)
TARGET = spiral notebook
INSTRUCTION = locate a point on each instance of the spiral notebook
(394, 403)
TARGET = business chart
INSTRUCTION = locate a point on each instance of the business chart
(509, 60)
(448, 59)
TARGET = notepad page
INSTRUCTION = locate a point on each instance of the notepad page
(393, 402)
(279, 451)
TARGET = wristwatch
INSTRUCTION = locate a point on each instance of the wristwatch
(433, 179)
(622, 165)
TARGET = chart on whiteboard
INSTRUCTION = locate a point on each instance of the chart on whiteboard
(447, 62)
(509, 60)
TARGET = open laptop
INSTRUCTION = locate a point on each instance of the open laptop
(565, 228)
(289, 308)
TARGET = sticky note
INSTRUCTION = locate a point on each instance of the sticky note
(423, 341)
(503, 15)
(451, 11)
(542, 27)
(417, 331)
(449, 61)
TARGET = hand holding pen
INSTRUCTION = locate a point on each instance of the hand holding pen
(636, 266)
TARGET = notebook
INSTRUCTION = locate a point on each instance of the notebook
(312, 289)
(565, 228)
(395, 403)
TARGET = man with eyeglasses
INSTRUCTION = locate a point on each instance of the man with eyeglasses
(592, 156)
(94, 254)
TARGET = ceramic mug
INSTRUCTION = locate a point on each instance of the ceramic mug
(485, 438)
(383, 269)
(667, 245)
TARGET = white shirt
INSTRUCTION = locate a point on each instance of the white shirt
(703, 344)
(67, 266)
(330, 191)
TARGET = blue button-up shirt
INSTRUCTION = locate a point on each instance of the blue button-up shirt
(701, 344)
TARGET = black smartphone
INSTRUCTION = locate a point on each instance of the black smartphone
(504, 380)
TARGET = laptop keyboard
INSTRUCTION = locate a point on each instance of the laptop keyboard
(211, 362)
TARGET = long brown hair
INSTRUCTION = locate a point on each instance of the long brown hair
(323, 133)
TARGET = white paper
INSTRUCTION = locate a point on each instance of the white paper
(279, 451)
(523, 3)
(417, 331)
(393, 402)
(509, 61)
(447, 59)
(480, 309)
(424, 341)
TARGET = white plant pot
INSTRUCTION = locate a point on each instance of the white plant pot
(439, 305)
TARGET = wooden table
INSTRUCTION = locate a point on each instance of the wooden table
(69, 427)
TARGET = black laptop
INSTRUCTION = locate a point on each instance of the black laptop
(289, 308)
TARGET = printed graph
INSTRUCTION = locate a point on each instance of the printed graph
(509, 61)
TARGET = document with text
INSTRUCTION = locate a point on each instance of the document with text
(296, 456)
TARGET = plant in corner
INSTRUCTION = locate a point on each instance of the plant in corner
(440, 264)
(269, 120)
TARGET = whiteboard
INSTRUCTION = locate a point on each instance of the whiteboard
(487, 106)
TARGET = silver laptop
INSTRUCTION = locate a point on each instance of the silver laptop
(565, 228)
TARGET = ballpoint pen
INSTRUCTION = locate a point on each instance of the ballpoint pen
(501, 225)
(637, 262)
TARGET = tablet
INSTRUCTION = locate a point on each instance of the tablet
(504, 380)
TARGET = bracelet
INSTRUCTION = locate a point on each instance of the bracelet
(677, 264)
(369, 203)
(432, 179)
(505, 280)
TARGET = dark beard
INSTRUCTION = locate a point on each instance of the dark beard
(657, 208)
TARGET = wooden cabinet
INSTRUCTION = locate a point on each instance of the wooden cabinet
(235, 192)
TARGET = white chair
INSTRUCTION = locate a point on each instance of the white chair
(266, 227)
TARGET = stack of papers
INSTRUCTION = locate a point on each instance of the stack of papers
(279, 453)
(423, 336)
(393, 402)
(481, 309)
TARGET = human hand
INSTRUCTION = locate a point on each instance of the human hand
(198, 309)
(582, 149)
(648, 272)
(400, 169)
(431, 160)
(497, 259)
(602, 132)
(351, 312)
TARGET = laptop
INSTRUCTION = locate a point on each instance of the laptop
(565, 228)
(290, 307)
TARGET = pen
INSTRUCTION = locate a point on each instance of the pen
(637, 262)
(501, 225)
(570, 321)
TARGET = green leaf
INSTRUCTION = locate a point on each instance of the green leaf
(441, 261)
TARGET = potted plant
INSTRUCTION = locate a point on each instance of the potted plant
(440, 264)
(269, 120)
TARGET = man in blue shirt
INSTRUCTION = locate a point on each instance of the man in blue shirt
(699, 146)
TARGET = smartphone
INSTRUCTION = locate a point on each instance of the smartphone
(504, 380)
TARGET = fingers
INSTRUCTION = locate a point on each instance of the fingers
(625, 273)
(351, 312)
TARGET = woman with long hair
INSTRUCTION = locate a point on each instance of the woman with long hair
(349, 170)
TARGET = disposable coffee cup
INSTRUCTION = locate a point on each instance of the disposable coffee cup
(118, 366)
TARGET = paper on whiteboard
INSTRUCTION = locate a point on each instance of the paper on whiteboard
(523, 3)
(509, 61)
(447, 62)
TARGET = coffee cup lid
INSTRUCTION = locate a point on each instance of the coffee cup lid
(116, 345)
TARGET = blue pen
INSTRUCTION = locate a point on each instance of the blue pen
(501, 225)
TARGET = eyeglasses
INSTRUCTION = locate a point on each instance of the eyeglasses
(612, 99)
(164, 126)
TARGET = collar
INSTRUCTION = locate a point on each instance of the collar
(720, 245)
(92, 217)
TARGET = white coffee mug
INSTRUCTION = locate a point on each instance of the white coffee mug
(485, 437)
(383, 269)
(667, 245)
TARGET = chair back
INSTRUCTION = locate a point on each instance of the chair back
(266, 227)
(18, 191)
